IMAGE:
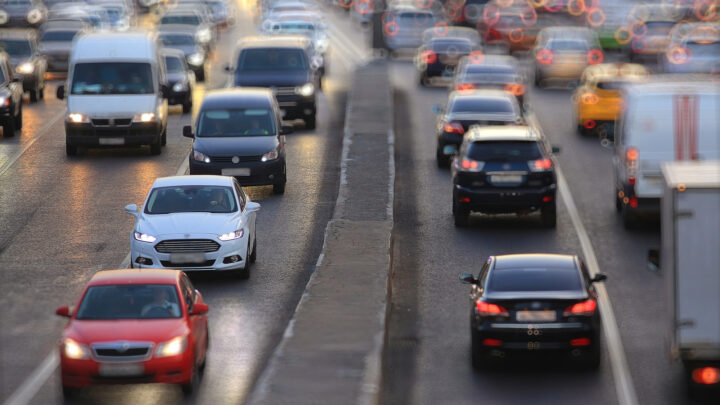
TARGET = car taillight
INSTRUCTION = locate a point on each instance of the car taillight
(492, 35)
(544, 57)
(487, 309)
(706, 375)
(540, 165)
(589, 98)
(585, 308)
(454, 128)
(429, 57)
(469, 165)
(631, 157)
(465, 87)
(595, 56)
(515, 89)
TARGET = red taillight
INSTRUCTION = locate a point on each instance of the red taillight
(631, 157)
(465, 199)
(469, 164)
(633, 200)
(544, 57)
(542, 164)
(706, 375)
(631, 154)
(595, 56)
(488, 309)
(515, 89)
(585, 308)
(454, 128)
(589, 124)
(429, 57)
(492, 35)
(465, 87)
(492, 342)
(580, 342)
(547, 198)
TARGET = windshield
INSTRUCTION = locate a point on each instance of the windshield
(16, 47)
(169, 200)
(658, 28)
(704, 50)
(180, 19)
(130, 301)
(174, 64)
(533, 279)
(112, 78)
(503, 151)
(462, 105)
(272, 59)
(177, 39)
(60, 36)
(236, 122)
(17, 2)
(293, 26)
(451, 46)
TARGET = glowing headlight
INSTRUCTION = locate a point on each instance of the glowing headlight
(201, 157)
(34, 16)
(179, 86)
(77, 118)
(272, 155)
(322, 45)
(4, 101)
(143, 237)
(232, 235)
(306, 90)
(75, 350)
(172, 347)
(196, 59)
(203, 35)
(25, 68)
(3, 17)
(144, 117)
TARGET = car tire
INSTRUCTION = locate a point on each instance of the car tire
(202, 365)
(163, 137)
(191, 386)
(618, 203)
(69, 392)
(628, 217)
(9, 128)
(156, 148)
(35, 95)
(442, 160)
(461, 217)
(253, 255)
(538, 80)
(477, 357)
(41, 92)
(187, 106)
(310, 122)
(279, 188)
(581, 130)
(71, 150)
(19, 120)
(548, 216)
(423, 81)
(591, 358)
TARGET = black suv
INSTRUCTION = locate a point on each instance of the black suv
(504, 169)
(11, 93)
(285, 65)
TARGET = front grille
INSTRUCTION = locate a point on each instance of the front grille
(285, 91)
(104, 122)
(137, 351)
(122, 351)
(168, 263)
(187, 246)
(123, 121)
(228, 159)
(101, 122)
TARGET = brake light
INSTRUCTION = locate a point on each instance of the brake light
(585, 308)
(706, 375)
(589, 98)
(492, 342)
(429, 57)
(631, 157)
(540, 165)
(465, 87)
(469, 165)
(580, 342)
(492, 35)
(515, 89)
(454, 128)
(595, 56)
(589, 124)
(544, 57)
(487, 309)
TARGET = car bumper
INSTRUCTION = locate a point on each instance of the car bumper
(558, 336)
(296, 107)
(260, 173)
(503, 200)
(179, 97)
(449, 139)
(131, 135)
(214, 261)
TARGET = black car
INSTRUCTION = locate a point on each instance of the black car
(10, 98)
(504, 169)
(182, 38)
(23, 13)
(29, 65)
(544, 303)
(466, 108)
(181, 80)
(500, 72)
(285, 65)
(239, 133)
(439, 56)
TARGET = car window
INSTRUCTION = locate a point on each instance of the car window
(177, 39)
(174, 64)
(272, 59)
(130, 301)
(567, 45)
(241, 194)
(236, 122)
(213, 199)
(451, 45)
(58, 36)
(501, 151)
(461, 105)
(112, 78)
(188, 291)
(16, 47)
(531, 279)
(180, 19)
(3, 79)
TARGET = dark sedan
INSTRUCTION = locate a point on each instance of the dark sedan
(30, 66)
(438, 57)
(534, 303)
(22, 13)
(500, 72)
(239, 134)
(10, 98)
(182, 38)
(181, 80)
(56, 44)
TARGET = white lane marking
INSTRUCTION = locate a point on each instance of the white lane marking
(37, 378)
(621, 372)
(25, 146)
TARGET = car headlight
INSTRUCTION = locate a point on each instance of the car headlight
(34, 16)
(179, 86)
(196, 59)
(172, 347)
(322, 45)
(232, 235)
(4, 17)
(144, 117)
(75, 350)
(143, 237)
(25, 68)
(272, 155)
(201, 157)
(306, 90)
(77, 118)
(4, 101)
(203, 35)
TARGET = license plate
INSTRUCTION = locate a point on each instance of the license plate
(187, 257)
(506, 178)
(449, 150)
(240, 171)
(536, 316)
(121, 370)
(111, 141)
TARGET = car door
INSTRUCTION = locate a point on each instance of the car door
(15, 87)
(247, 216)
(197, 323)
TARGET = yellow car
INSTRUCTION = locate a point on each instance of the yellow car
(598, 100)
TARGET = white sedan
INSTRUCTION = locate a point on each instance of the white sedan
(195, 223)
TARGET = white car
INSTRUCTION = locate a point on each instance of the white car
(195, 223)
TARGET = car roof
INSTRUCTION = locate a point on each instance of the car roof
(195, 180)
(238, 98)
(616, 70)
(283, 41)
(135, 276)
(674, 84)
(502, 133)
(173, 52)
(533, 260)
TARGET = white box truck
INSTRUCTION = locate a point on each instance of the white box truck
(690, 228)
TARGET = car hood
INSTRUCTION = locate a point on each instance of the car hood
(269, 78)
(235, 146)
(175, 77)
(186, 223)
(187, 50)
(148, 330)
(112, 105)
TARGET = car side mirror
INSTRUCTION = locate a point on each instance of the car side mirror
(200, 308)
(63, 311)
(252, 207)
(187, 131)
(598, 278)
(227, 68)
(316, 62)
(286, 130)
(555, 149)
(654, 259)
(132, 209)
(60, 92)
(468, 278)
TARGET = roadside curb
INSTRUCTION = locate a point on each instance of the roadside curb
(332, 349)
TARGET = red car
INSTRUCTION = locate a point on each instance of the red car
(135, 326)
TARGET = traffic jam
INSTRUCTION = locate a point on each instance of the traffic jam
(147, 80)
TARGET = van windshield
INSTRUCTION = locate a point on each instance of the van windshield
(112, 78)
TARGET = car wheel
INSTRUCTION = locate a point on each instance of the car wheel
(156, 148)
(163, 137)
(9, 128)
(191, 386)
(310, 122)
(69, 392)
(41, 92)
(279, 188)
(461, 217)
(34, 95)
(423, 81)
(202, 365)
(442, 160)
(187, 106)
(71, 150)
(548, 215)
(538, 79)
(253, 255)
(628, 217)
(18, 120)
(618, 203)
(476, 353)
(591, 358)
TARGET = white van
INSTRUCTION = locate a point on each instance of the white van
(116, 92)
(666, 119)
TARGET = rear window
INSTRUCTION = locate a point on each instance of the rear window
(180, 19)
(493, 151)
(611, 85)
(272, 59)
(534, 279)
(704, 49)
(568, 45)
(174, 64)
(16, 47)
(60, 36)
(446, 46)
(462, 105)
(416, 19)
